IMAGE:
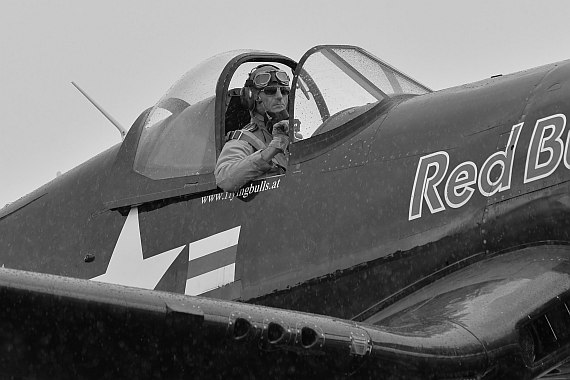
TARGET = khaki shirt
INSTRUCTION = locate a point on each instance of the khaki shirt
(240, 163)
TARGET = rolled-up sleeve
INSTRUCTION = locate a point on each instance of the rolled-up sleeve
(238, 164)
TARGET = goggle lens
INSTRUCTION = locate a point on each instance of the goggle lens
(282, 77)
(261, 80)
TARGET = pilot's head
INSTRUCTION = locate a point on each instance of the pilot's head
(266, 90)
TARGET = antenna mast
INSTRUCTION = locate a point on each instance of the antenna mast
(121, 129)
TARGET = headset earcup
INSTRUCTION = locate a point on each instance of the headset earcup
(246, 98)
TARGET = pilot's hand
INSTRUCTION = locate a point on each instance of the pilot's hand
(280, 134)
(281, 128)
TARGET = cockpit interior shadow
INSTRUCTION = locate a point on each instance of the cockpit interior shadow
(237, 116)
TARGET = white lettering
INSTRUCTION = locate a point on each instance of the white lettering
(505, 160)
(495, 174)
(438, 161)
(542, 145)
(458, 188)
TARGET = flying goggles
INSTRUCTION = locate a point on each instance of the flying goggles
(261, 80)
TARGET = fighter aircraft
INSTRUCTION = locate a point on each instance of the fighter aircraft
(415, 234)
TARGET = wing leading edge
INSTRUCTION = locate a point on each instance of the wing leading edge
(58, 327)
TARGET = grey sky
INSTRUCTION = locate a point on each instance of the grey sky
(126, 54)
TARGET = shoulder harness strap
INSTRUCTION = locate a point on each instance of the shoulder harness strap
(247, 136)
(251, 127)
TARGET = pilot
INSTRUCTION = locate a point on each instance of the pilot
(261, 146)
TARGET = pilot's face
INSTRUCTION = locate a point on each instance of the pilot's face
(272, 102)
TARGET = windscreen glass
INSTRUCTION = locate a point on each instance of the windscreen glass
(337, 84)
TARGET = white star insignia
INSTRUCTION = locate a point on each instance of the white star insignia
(127, 265)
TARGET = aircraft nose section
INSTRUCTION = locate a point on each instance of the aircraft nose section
(553, 92)
(354, 141)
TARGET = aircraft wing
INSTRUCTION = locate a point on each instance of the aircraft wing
(516, 305)
(58, 327)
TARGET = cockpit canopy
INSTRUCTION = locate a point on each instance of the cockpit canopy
(172, 149)
(334, 84)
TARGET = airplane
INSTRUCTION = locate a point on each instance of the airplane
(415, 234)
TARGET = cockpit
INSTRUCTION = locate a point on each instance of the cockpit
(180, 138)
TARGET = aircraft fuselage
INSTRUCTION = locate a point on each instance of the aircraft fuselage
(427, 182)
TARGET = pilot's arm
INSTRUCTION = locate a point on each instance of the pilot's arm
(238, 164)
